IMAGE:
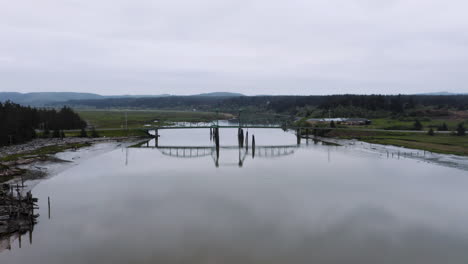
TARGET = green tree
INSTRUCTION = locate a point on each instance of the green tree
(443, 127)
(461, 131)
(56, 133)
(83, 133)
(430, 132)
(46, 133)
(417, 125)
(94, 133)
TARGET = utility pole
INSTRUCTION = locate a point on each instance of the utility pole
(126, 121)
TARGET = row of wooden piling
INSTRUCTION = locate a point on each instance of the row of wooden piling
(16, 209)
(242, 140)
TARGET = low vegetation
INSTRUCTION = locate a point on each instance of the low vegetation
(440, 143)
(44, 151)
(448, 123)
(110, 133)
(138, 118)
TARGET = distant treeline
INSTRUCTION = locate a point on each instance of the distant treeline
(285, 104)
(18, 123)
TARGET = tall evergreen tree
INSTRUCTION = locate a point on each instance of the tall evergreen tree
(443, 127)
(430, 132)
(94, 133)
(18, 123)
(461, 131)
(56, 133)
(417, 125)
(83, 133)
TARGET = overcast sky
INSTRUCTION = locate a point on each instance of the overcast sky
(251, 47)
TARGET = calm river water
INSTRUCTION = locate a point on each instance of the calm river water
(312, 203)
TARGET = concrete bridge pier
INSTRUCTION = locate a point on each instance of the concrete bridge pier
(156, 138)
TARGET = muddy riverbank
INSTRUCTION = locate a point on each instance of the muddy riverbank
(20, 160)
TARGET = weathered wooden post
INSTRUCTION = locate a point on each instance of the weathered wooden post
(48, 202)
(240, 159)
(298, 136)
(247, 141)
(217, 146)
(253, 146)
(241, 138)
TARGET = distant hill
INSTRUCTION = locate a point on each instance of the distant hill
(442, 93)
(38, 99)
(220, 94)
(45, 98)
(55, 98)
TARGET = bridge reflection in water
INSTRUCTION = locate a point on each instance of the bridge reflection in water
(193, 152)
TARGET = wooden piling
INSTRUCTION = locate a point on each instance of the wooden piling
(253, 146)
(48, 203)
(217, 137)
(247, 141)
(298, 136)
(16, 211)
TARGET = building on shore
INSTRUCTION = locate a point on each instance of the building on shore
(339, 120)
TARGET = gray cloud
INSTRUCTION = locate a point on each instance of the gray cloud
(254, 47)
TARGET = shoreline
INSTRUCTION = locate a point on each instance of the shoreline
(20, 160)
(35, 170)
(439, 143)
(401, 152)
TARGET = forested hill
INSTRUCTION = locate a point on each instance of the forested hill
(286, 104)
(47, 98)
(40, 98)
(18, 123)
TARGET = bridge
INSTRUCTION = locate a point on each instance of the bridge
(203, 151)
(214, 126)
(187, 152)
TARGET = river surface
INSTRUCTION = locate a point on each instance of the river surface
(310, 203)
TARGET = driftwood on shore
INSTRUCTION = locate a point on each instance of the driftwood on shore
(16, 210)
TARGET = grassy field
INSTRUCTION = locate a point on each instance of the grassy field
(113, 133)
(440, 143)
(138, 118)
(395, 124)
